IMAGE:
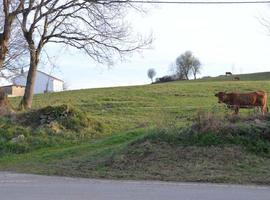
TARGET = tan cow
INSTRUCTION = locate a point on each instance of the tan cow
(244, 100)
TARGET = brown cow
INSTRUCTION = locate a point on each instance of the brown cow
(244, 100)
(237, 78)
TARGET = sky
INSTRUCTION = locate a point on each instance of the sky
(223, 37)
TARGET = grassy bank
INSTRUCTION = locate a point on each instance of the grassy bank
(227, 151)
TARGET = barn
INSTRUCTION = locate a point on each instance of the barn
(44, 82)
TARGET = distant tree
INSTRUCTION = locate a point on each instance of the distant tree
(151, 74)
(196, 67)
(186, 64)
(177, 72)
(183, 64)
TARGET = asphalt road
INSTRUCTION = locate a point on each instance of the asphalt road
(33, 187)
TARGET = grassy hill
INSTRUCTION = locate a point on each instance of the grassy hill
(261, 76)
(142, 132)
(125, 108)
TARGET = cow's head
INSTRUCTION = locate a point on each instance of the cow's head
(221, 96)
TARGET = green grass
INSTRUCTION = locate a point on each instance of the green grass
(124, 108)
(130, 115)
(54, 160)
(148, 154)
(261, 76)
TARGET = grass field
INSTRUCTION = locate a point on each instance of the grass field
(261, 76)
(125, 108)
(128, 116)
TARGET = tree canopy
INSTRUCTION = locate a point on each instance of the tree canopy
(151, 73)
(96, 27)
(187, 64)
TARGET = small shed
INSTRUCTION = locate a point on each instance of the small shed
(13, 90)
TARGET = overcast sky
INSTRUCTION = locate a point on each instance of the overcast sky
(223, 37)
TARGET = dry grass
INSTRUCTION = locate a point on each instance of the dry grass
(163, 161)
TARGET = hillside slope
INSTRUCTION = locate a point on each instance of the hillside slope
(125, 108)
(141, 135)
(261, 76)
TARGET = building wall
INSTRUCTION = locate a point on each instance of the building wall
(13, 91)
(57, 85)
(17, 91)
(44, 83)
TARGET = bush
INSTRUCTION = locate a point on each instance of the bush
(165, 79)
(252, 132)
(61, 119)
(46, 127)
(210, 129)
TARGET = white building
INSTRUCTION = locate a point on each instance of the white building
(44, 82)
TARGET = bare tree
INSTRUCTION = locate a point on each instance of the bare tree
(196, 68)
(96, 27)
(9, 10)
(13, 59)
(151, 73)
(177, 71)
(186, 64)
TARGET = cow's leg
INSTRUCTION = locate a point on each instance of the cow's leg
(264, 109)
(259, 109)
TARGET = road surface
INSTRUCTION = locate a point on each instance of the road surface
(33, 187)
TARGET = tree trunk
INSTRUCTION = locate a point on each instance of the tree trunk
(3, 50)
(26, 102)
(4, 38)
(186, 76)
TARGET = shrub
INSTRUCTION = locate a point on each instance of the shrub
(165, 79)
(46, 127)
(61, 119)
(210, 129)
